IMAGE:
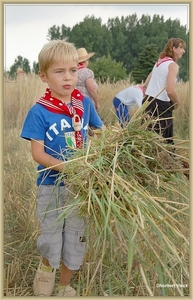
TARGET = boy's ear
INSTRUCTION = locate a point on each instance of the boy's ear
(42, 76)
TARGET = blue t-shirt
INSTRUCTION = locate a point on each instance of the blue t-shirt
(57, 133)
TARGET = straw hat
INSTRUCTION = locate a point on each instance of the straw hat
(83, 55)
(19, 70)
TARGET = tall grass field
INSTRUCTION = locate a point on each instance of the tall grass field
(132, 188)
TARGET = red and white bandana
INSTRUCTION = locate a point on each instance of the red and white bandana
(75, 111)
(161, 60)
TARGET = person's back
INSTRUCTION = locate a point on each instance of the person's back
(86, 83)
(158, 81)
(131, 96)
(125, 100)
(83, 75)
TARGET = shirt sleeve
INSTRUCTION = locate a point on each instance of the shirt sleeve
(89, 74)
(33, 127)
(94, 119)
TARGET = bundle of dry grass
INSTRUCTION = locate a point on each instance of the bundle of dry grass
(131, 189)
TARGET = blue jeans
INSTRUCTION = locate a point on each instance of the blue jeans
(121, 112)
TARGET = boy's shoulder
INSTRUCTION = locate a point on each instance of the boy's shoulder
(87, 100)
(36, 107)
(39, 110)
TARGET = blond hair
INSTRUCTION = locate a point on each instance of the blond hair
(55, 51)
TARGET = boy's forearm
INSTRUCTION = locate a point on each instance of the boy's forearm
(56, 164)
(49, 161)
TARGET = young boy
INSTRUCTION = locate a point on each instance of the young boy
(56, 124)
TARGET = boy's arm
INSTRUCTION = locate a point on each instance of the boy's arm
(44, 159)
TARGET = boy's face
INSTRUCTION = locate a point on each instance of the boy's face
(61, 78)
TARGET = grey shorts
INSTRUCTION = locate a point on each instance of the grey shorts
(59, 239)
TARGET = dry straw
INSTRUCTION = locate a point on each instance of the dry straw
(131, 188)
(129, 185)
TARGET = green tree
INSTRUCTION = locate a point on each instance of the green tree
(139, 33)
(117, 29)
(144, 63)
(123, 36)
(56, 32)
(20, 62)
(93, 36)
(184, 62)
(123, 39)
(107, 68)
(35, 68)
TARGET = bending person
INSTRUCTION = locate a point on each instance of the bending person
(125, 100)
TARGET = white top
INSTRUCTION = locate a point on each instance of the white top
(131, 96)
(158, 80)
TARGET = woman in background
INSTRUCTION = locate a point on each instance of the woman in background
(86, 83)
(160, 91)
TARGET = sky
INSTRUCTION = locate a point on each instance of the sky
(26, 25)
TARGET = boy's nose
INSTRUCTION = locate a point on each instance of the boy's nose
(67, 76)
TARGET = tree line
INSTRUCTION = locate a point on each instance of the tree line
(123, 47)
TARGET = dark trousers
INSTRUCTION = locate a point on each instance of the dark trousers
(162, 111)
